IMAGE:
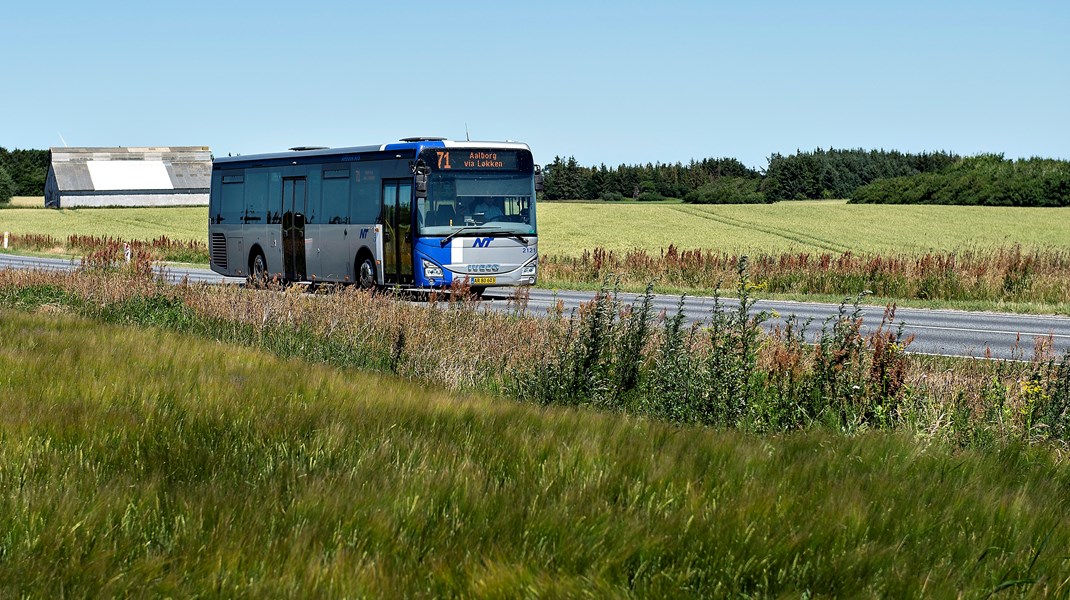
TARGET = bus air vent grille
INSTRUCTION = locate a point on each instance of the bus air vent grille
(219, 250)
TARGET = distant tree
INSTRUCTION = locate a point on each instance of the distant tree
(7, 186)
(28, 169)
(836, 173)
(563, 180)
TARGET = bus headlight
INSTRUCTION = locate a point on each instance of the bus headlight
(432, 271)
(528, 270)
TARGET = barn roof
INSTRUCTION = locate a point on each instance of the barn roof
(158, 168)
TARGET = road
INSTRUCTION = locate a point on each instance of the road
(946, 332)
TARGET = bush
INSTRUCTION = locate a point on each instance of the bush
(728, 190)
(612, 196)
(985, 180)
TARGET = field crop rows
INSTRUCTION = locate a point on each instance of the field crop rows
(567, 229)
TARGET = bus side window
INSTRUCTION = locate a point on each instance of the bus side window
(232, 199)
(336, 195)
(256, 197)
(366, 195)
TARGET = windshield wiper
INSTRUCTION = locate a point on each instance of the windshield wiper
(523, 240)
(449, 237)
(492, 232)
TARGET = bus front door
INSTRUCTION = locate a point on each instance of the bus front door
(294, 207)
(397, 231)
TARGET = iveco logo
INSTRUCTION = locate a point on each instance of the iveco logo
(483, 268)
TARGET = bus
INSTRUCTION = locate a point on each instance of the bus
(420, 213)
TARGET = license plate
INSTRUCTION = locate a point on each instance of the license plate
(484, 280)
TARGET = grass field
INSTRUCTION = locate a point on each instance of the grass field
(570, 228)
(832, 226)
(139, 462)
(28, 215)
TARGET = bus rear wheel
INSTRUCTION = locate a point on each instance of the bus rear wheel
(366, 278)
(258, 273)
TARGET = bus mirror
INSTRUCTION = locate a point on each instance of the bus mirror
(538, 178)
(422, 171)
(421, 185)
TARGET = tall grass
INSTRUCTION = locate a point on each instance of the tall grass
(161, 248)
(147, 463)
(607, 355)
(1005, 274)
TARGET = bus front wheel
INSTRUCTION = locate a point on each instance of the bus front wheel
(366, 278)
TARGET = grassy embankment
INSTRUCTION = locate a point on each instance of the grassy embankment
(139, 462)
(992, 258)
(609, 356)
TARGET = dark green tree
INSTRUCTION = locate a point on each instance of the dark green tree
(7, 186)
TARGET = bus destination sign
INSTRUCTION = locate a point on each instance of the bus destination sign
(477, 160)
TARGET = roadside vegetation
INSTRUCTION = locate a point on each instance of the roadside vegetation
(162, 248)
(998, 277)
(642, 459)
(145, 462)
(608, 355)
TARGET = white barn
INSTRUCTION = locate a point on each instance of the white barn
(174, 176)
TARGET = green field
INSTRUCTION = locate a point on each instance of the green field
(832, 226)
(143, 463)
(26, 215)
(570, 228)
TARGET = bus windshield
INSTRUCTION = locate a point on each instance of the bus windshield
(481, 202)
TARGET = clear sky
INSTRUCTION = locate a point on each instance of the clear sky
(613, 82)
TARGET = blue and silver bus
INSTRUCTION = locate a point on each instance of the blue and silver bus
(421, 213)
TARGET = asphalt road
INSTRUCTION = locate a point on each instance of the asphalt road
(948, 332)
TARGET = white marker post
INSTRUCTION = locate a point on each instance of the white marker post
(5, 240)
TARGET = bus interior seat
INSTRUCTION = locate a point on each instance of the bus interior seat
(445, 214)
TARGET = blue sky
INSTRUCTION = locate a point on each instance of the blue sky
(612, 82)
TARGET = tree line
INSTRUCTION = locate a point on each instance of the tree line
(984, 180)
(22, 173)
(804, 175)
(863, 176)
(565, 179)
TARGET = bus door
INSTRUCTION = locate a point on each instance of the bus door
(397, 230)
(294, 208)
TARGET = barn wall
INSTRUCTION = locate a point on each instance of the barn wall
(98, 200)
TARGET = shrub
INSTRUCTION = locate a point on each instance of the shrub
(727, 190)
(986, 180)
